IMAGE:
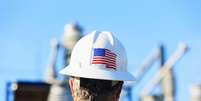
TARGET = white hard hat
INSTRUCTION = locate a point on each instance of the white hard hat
(99, 55)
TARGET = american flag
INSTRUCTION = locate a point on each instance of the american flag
(104, 56)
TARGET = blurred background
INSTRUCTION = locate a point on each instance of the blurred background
(162, 39)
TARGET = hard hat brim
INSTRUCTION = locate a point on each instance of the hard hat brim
(89, 72)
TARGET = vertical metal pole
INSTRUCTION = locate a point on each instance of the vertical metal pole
(168, 80)
(162, 55)
(8, 84)
(195, 92)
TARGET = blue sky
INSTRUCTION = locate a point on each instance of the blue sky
(26, 28)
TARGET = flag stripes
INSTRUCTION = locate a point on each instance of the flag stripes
(104, 56)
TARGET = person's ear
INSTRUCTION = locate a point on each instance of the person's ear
(117, 89)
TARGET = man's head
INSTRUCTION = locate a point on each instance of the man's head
(84, 89)
(98, 67)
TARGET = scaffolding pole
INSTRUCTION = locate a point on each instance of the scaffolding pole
(182, 48)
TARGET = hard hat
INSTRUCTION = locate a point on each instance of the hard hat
(99, 55)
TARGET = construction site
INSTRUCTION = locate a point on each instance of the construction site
(164, 59)
(54, 87)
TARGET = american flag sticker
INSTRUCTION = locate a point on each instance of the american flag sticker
(104, 56)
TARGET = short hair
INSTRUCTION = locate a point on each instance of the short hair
(94, 89)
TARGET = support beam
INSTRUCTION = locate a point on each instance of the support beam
(164, 70)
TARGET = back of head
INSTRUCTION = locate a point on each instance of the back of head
(84, 89)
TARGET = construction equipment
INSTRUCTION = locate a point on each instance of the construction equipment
(59, 91)
(182, 48)
(27, 91)
(167, 77)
